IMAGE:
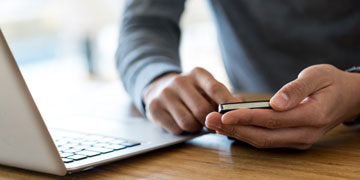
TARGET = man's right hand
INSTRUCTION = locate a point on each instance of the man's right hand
(181, 102)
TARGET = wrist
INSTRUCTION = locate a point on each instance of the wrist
(354, 75)
(356, 90)
(357, 93)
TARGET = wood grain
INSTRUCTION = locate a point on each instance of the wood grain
(335, 156)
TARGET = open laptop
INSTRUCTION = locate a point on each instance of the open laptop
(26, 142)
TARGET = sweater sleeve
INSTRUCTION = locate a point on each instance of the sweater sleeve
(148, 44)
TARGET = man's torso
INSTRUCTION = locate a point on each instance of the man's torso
(266, 43)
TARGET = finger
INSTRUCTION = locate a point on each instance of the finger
(309, 81)
(306, 114)
(193, 99)
(164, 119)
(157, 113)
(214, 89)
(213, 121)
(182, 116)
(299, 138)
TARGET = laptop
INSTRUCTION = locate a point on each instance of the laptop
(27, 143)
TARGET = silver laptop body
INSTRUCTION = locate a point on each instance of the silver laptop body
(26, 142)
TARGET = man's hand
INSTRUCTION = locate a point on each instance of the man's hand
(320, 98)
(181, 102)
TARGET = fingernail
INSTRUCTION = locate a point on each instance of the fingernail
(280, 100)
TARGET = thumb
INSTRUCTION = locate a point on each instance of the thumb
(293, 93)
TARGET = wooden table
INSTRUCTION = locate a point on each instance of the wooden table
(335, 156)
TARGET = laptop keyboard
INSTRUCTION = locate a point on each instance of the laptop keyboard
(74, 147)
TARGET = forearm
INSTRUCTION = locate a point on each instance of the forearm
(357, 92)
(148, 43)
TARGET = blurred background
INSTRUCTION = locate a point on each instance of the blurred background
(61, 46)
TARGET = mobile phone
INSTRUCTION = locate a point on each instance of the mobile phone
(264, 104)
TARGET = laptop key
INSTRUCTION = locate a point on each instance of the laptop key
(77, 141)
(115, 146)
(106, 139)
(62, 148)
(99, 149)
(61, 143)
(93, 137)
(88, 153)
(117, 141)
(101, 145)
(81, 147)
(77, 157)
(73, 150)
(70, 145)
(66, 160)
(64, 155)
(88, 143)
(130, 144)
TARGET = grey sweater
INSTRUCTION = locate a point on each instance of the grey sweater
(264, 43)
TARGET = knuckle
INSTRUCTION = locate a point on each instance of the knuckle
(314, 69)
(166, 92)
(215, 87)
(231, 131)
(197, 70)
(329, 69)
(309, 70)
(320, 117)
(179, 81)
(154, 105)
(321, 70)
(272, 123)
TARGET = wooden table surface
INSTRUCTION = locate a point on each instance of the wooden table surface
(335, 156)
